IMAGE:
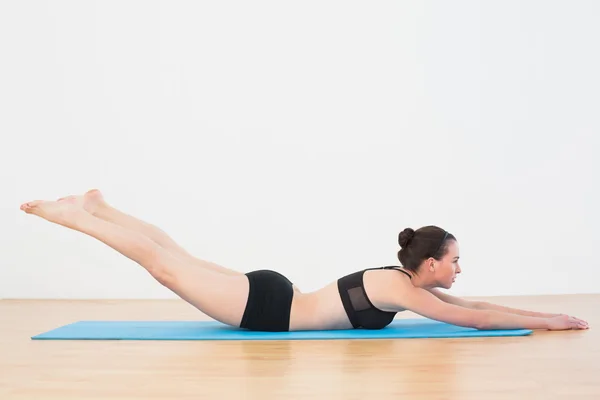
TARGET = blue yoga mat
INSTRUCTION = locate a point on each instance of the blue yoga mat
(212, 330)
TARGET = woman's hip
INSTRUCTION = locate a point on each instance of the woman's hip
(269, 302)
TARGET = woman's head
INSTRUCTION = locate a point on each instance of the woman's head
(432, 250)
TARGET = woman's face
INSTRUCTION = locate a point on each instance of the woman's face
(448, 267)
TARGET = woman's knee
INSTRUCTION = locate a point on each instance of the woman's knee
(164, 267)
(164, 276)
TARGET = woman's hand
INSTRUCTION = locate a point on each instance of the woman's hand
(564, 322)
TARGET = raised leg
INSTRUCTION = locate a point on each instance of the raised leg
(220, 296)
(94, 203)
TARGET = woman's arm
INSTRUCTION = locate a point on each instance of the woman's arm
(484, 305)
(552, 318)
(448, 298)
(428, 305)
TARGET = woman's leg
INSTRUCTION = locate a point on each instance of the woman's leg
(220, 296)
(94, 202)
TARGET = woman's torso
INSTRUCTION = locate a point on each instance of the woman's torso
(324, 309)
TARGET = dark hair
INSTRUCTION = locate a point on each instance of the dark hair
(419, 245)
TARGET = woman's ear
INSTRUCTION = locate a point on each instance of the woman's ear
(431, 263)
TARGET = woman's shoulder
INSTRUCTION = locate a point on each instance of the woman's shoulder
(384, 285)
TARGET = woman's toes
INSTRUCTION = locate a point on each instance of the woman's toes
(30, 205)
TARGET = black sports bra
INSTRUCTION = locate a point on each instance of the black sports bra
(361, 312)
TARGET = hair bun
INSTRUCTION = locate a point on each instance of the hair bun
(406, 236)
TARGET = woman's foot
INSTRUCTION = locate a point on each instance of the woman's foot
(90, 201)
(66, 213)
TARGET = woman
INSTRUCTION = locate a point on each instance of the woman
(266, 300)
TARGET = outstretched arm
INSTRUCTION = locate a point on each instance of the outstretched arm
(457, 301)
(484, 305)
(454, 310)
(427, 304)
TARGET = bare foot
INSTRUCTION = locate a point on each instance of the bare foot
(64, 213)
(90, 201)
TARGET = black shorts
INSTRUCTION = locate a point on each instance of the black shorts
(269, 302)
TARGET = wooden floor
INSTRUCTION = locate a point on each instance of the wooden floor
(545, 365)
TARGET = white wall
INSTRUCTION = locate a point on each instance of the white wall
(303, 136)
